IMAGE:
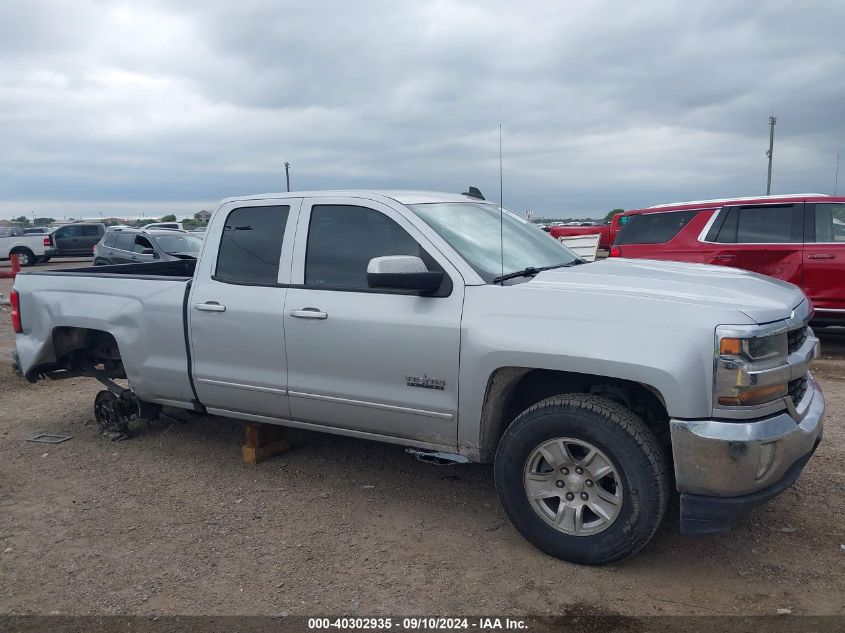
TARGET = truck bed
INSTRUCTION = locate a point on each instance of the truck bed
(183, 269)
(135, 313)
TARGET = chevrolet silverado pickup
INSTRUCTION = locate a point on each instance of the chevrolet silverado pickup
(423, 319)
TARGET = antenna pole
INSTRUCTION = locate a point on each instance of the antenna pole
(287, 174)
(772, 120)
(501, 207)
(836, 178)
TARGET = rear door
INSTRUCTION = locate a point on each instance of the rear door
(236, 309)
(90, 234)
(370, 360)
(67, 239)
(766, 239)
(824, 257)
(123, 249)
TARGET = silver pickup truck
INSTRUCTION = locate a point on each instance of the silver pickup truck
(440, 322)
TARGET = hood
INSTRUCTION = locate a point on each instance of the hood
(763, 299)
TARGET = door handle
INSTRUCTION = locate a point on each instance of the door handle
(209, 306)
(309, 313)
(725, 258)
(821, 256)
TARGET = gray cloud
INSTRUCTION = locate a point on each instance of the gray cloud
(173, 105)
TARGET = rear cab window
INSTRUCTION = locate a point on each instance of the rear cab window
(654, 228)
(251, 245)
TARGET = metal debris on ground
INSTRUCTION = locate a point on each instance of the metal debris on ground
(50, 438)
(436, 457)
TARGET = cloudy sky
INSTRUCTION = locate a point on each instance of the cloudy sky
(150, 107)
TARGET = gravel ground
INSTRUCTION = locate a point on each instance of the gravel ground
(171, 522)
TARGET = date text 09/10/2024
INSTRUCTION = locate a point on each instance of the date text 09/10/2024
(418, 623)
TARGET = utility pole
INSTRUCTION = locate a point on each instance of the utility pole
(287, 174)
(772, 120)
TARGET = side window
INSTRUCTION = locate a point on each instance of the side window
(767, 225)
(342, 239)
(90, 230)
(654, 228)
(251, 245)
(141, 243)
(125, 241)
(110, 239)
(69, 231)
(830, 223)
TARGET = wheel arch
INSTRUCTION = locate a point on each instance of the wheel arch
(85, 348)
(512, 390)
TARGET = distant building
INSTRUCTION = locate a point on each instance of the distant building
(202, 216)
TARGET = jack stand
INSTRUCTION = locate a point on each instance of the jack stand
(263, 441)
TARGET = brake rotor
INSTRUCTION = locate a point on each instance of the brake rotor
(110, 413)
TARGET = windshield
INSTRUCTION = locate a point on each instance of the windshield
(179, 243)
(472, 229)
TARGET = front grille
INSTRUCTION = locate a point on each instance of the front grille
(797, 389)
(795, 339)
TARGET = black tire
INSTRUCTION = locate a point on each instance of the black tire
(25, 256)
(628, 443)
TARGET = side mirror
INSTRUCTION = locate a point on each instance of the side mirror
(148, 251)
(402, 272)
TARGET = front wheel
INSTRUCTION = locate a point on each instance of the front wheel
(582, 478)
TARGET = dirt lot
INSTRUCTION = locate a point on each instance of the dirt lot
(171, 522)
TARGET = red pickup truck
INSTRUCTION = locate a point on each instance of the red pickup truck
(799, 238)
(606, 231)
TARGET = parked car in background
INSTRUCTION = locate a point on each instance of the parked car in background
(76, 240)
(30, 249)
(37, 230)
(126, 246)
(607, 231)
(164, 225)
(798, 238)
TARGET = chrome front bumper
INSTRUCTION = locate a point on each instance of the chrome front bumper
(717, 458)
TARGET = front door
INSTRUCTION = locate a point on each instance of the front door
(375, 361)
(236, 308)
(824, 258)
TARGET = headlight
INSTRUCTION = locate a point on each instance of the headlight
(751, 366)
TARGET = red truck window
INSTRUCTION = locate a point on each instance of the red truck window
(762, 224)
(654, 228)
(830, 223)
